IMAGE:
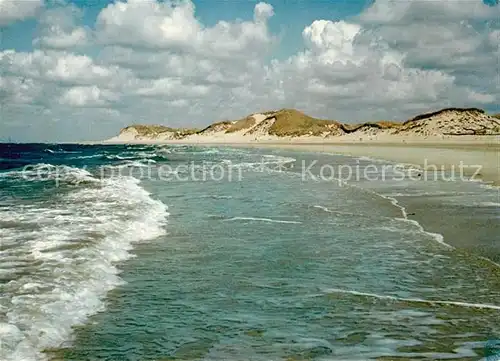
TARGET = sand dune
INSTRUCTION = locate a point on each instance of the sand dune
(293, 125)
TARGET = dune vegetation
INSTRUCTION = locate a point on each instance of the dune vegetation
(294, 123)
(242, 124)
(291, 122)
(153, 131)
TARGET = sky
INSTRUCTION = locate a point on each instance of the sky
(82, 69)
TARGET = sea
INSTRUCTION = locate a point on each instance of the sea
(172, 252)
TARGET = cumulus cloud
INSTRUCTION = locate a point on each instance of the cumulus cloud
(87, 96)
(148, 24)
(263, 11)
(338, 71)
(156, 62)
(66, 68)
(172, 87)
(17, 90)
(16, 10)
(335, 36)
(59, 29)
(395, 12)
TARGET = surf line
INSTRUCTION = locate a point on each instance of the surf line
(436, 236)
(269, 220)
(415, 300)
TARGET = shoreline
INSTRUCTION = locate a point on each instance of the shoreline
(479, 162)
(447, 153)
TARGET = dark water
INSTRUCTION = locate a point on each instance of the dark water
(252, 260)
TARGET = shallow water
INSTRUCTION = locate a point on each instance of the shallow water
(265, 264)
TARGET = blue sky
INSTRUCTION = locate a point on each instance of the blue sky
(192, 63)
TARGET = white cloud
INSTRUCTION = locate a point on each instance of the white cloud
(336, 36)
(169, 26)
(16, 10)
(87, 96)
(481, 98)
(338, 67)
(148, 24)
(457, 37)
(18, 90)
(173, 87)
(51, 66)
(428, 11)
(154, 61)
(59, 29)
(262, 12)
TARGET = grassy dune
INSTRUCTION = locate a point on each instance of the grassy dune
(156, 130)
(294, 123)
(291, 122)
(242, 124)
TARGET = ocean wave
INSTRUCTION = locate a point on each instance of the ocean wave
(60, 274)
(257, 219)
(129, 155)
(373, 160)
(50, 172)
(436, 236)
(488, 204)
(59, 151)
(328, 210)
(188, 150)
(489, 186)
(425, 194)
(141, 163)
(267, 162)
(215, 196)
(414, 300)
(99, 155)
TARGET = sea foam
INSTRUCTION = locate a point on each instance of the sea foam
(58, 273)
(415, 300)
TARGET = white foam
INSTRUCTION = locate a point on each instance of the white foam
(134, 164)
(69, 264)
(424, 194)
(415, 300)
(216, 196)
(323, 208)
(89, 156)
(489, 204)
(334, 211)
(436, 236)
(373, 160)
(50, 172)
(267, 162)
(132, 156)
(269, 220)
(489, 186)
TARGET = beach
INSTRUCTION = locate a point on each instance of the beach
(480, 160)
(473, 156)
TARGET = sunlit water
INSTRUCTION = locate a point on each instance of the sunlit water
(126, 253)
